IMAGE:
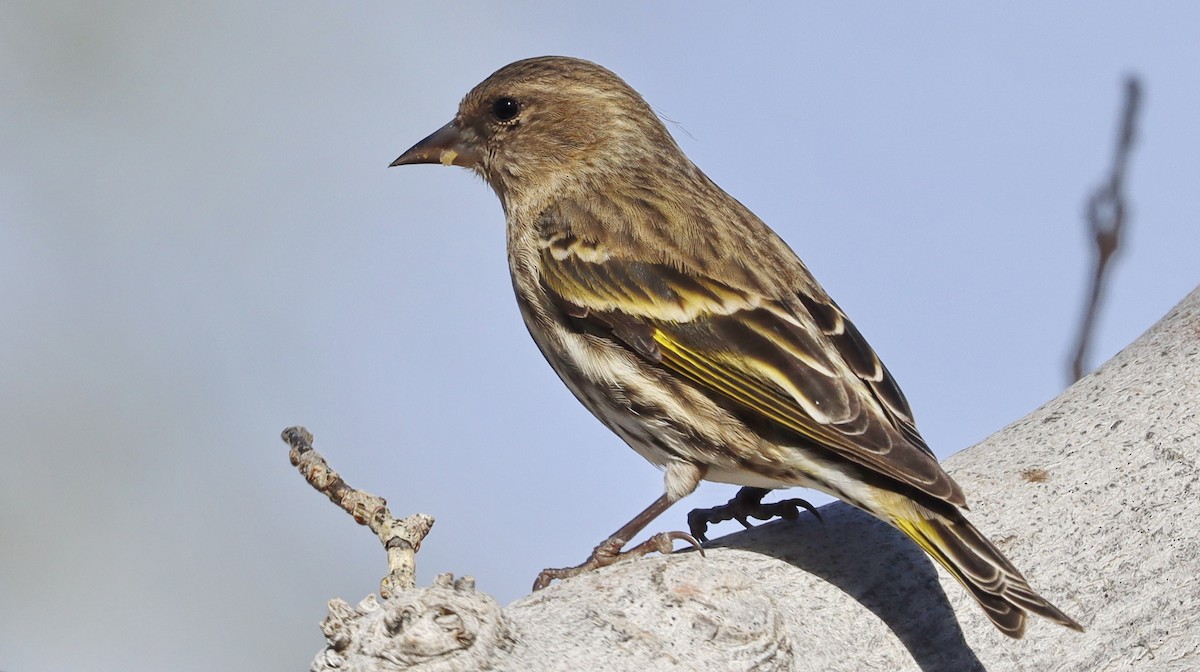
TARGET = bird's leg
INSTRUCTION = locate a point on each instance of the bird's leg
(747, 503)
(609, 551)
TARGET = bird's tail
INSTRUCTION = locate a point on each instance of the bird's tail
(991, 579)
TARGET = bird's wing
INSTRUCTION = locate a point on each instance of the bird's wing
(803, 366)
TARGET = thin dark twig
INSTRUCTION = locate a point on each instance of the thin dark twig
(1106, 214)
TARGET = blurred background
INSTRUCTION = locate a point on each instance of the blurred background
(201, 244)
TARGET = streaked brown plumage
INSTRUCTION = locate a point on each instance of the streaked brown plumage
(689, 328)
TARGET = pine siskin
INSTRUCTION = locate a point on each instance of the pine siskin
(690, 329)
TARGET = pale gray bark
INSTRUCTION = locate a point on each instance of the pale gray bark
(1093, 496)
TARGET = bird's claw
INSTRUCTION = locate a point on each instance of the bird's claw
(609, 552)
(746, 504)
(664, 542)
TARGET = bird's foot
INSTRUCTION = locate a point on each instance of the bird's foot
(609, 552)
(746, 504)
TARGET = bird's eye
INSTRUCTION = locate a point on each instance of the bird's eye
(506, 109)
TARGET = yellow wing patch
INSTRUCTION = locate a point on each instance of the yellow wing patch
(586, 274)
(753, 385)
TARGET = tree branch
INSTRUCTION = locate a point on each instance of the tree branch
(401, 538)
(1106, 211)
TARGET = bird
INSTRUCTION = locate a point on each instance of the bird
(690, 329)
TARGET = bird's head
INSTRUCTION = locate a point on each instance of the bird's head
(543, 125)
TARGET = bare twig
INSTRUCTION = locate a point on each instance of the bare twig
(401, 538)
(1105, 212)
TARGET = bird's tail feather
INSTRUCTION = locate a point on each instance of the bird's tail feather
(991, 579)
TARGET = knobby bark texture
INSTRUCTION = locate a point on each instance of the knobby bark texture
(1094, 496)
(400, 537)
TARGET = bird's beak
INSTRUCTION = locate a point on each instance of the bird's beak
(448, 146)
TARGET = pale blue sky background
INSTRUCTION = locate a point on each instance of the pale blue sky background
(200, 244)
